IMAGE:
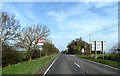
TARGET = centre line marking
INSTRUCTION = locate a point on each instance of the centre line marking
(77, 65)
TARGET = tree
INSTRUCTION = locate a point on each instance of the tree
(115, 49)
(10, 27)
(29, 36)
(49, 48)
(9, 32)
(75, 47)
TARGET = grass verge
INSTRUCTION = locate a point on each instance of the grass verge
(29, 67)
(107, 62)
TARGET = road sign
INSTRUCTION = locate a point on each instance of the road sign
(40, 41)
(40, 48)
(99, 45)
(82, 50)
(40, 44)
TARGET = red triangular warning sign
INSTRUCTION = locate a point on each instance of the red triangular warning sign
(40, 40)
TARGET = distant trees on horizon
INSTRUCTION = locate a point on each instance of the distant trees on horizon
(76, 46)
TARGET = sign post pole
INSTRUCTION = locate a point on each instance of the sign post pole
(40, 48)
(40, 44)
(90, 45)
(82, 51)
(99, 46)
(40, 53)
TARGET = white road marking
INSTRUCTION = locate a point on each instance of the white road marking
(49, 67)
(77, 64)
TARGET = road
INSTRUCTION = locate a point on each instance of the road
(70, 64)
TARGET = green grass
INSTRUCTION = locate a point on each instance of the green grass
(100, 55)
(28, 67)
(107, 62)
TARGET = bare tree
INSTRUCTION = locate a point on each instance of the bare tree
(40, 31)
(115, 49)
(9, 31)
(10, 27)
(29, 37)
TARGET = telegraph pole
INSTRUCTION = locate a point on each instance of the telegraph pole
(95, 51)
(0, 37)
(85, 47)
(90, 44)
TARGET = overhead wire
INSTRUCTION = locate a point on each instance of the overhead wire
(100, 30)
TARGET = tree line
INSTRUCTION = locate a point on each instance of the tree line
(76, 46)
(16, 39)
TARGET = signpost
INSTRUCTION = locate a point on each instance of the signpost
(98, 46)
(40, 41)
(82, 51)
(40, 44)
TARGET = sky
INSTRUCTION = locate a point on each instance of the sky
(69, 20)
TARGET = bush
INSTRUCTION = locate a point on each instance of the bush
(36, 54)
(113, 57)
(10, 56)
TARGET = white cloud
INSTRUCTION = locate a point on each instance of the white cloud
(85, 22)
(103, 4)
(29, 13)
(12, 10)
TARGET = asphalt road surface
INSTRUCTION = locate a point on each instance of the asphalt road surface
(70, 64)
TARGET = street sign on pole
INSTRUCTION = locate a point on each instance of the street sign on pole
(99, 46)
(40, 48)
(82, 51)
(40, 44)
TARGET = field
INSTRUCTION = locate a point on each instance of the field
(28, 67)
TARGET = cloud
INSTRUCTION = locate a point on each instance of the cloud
(83, 19)
(103, 4)
(12, 10)
(59, 17)
(27, 8)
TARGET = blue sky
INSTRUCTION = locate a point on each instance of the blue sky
(69, 20)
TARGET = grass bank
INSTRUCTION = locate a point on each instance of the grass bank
(28, 67)
(107, 62)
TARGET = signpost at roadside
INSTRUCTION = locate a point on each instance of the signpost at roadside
(82, 51)
(40, 43)
(99, 46)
